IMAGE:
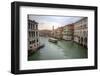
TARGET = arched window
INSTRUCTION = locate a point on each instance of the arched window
(81, 40)
(85, 40)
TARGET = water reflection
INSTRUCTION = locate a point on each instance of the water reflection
(61, 50)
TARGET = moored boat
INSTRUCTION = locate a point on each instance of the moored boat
(33, 50)
(53, 40)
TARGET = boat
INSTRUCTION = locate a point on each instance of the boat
(40, 46)
(33, 50)
(53, 40)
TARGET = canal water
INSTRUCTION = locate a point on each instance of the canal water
(61, 50)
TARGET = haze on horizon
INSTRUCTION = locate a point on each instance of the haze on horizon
(47, 22)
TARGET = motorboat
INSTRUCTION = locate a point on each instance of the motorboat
(53, 40)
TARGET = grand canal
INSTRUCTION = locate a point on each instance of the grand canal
(61, 50)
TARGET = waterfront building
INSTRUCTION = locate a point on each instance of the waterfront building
(77, 32)
(68, 32)
(58, 33)
(33, 35)
(81, 31)
(53, 32)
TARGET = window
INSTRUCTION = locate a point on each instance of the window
(37, 40)
(36, 27)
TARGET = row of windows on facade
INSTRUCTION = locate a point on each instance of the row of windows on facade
(33, 33)
(82, 40)
(81, 26)
(84, 33)
(68, 32)
(33, 41)
(32, 26)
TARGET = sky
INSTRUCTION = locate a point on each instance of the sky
(47, 22)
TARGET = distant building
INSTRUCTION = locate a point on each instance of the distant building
(68, 32)
(57, 33)
(81, 31)
(53, 32)
(33, 35)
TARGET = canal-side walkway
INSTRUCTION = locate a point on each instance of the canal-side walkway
(61, 50)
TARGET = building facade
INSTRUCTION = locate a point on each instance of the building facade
(33, 35)
(57, 33)
(77, 32)
(68, 32)
(81, 31)
(52, 32)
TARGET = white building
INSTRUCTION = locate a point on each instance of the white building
(81, 31)
(68, 32)
(33, 35)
